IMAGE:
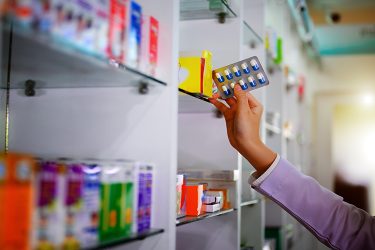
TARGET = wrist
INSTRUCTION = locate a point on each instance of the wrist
(259, 156)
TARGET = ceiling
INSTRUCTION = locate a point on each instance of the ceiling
(343, 26)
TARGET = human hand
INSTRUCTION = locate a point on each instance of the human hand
(242, 117)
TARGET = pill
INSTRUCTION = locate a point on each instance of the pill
(225, 90)
(228, 74)
(252, 81)
(232, 85)
(243, 85)
(237, 72)
(219, 77)
(245, 68)
(261, 78)
(254, 64)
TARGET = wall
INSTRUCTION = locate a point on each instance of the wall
(354, 160)
(335, 85)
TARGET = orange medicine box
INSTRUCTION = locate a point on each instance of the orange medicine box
(16, 200)
(194, 195)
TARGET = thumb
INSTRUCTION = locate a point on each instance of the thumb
(240, 96)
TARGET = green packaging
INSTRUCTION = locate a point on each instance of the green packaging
(116, 199)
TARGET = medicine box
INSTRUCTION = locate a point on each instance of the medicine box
(149, 45)
(73, 204)
(85, 21)
(179, 182)
(143, 191)
(116, 197)
(194, 195)
(50, 222)
(134, 35)
(195, 74)
(248, 73)
(17, 194)
(211, 208)
(64, 27)
(101, 8)
(117, 29)
(91, 205)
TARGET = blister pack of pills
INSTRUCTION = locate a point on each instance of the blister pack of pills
(248, 73)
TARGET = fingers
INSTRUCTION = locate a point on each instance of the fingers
(231, 102)
(240, 95)
(253, 102)
(219, 105)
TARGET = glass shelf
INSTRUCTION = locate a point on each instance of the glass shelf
(190, 219)
(52, 64)
(249, 203)
(250, 37)
(193, 103)
(132, 238)
(202, 9)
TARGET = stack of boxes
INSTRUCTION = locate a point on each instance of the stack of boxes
(204, 191)
(75, 204)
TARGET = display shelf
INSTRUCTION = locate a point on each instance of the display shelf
(132, 238)
(271, 128)
(201, 9)
(250, 37)
(49, 63)
(249, 203)
(193, 103)
(190, 219)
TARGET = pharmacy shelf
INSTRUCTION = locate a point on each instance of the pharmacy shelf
(250, 37)
(201, 9)
(193, 103)
(249, 203)
(132, 238)
(189, 219)
(53, 64)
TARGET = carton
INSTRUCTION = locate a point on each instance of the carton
(16, 198)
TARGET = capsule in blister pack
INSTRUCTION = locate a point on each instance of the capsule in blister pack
(248, 73)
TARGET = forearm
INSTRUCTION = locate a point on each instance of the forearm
(337, 224)
(259, 156)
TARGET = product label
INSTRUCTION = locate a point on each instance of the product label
(154, 36)
(117, 29)
(134, 41)
(91, 196)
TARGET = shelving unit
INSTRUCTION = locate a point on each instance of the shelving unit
(198, 122)
(87, 106)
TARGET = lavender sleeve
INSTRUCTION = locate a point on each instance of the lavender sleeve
(334, 222)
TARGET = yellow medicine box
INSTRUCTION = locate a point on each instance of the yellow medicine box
(195, 74)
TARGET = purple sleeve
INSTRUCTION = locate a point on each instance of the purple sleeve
(334, 222)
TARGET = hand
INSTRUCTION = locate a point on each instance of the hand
(242, 117)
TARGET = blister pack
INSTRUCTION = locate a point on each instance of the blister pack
(248, 73)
